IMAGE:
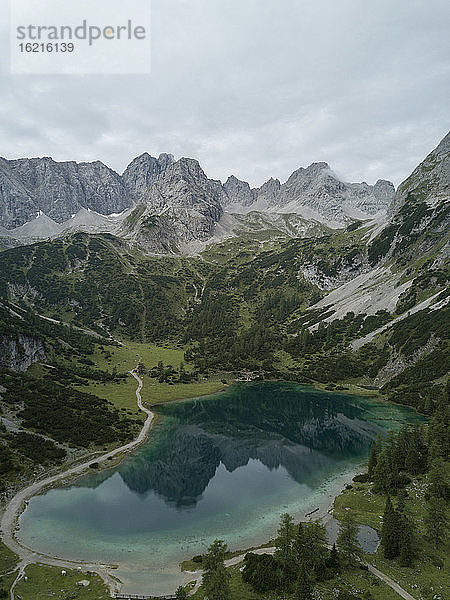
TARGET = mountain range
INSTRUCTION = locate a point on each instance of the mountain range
(167, 206)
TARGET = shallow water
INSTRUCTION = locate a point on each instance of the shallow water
(368, 537)
(224, 466)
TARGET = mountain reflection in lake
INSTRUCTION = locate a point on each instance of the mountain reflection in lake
(271, 422)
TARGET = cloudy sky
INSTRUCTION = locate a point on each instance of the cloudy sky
(253, 87)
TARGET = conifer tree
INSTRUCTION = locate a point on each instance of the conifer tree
(181, 593)
(402, 496)
(333, 562)
(381, 473)
(436, 521)
(390, 531)
(372, 463)
(347, 539)
(304, 339)
(315, 550)
(215, 579)
(405, 527)
(416, 451)
(405, 541)
(284, 553)
(438, 430)
(437, 477)
(303, 587)
(299, 544)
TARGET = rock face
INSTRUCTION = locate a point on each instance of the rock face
(268, 192)
(142, 172)
(429, 182)
(19, 353)
(181, 206)
(32, 186)
(43, 197)
(314, 192)
(238, 192)
(420, 213)
(417, 228)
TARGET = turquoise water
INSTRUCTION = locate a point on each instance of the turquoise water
(224, 466)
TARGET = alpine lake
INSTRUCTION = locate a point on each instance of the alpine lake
(223, 466)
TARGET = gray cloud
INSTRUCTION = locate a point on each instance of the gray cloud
(256, 88)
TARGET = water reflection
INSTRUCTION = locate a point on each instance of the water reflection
(307, 433)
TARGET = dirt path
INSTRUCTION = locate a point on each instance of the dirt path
(17, 504)
(390, 582)
(20, 575)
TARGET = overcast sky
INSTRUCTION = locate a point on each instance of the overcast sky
(253, 87)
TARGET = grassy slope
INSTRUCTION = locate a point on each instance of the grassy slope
(126, 357)
(423, 579)
(8, 559)
(47, 582)
(123, 394)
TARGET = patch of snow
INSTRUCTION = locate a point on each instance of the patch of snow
(118, 214)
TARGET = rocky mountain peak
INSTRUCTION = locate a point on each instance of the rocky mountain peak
(182, 208)
(269, 191)
(419, 214)
(314, 174)
(142, 172)
(312, 171)
(183, 183)
(317, 167)
(188, 167)
(384, 191)
(165, 160)
(238, 192)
